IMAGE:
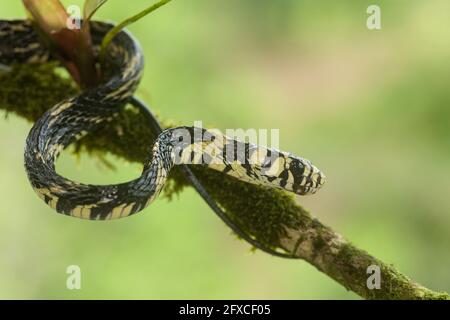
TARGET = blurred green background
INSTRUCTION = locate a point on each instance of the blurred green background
(370, 108)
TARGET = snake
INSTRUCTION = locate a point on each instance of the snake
(80, 115)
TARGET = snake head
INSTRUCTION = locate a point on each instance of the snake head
(289, 172)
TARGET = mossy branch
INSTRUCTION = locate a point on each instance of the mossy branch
(270, 216)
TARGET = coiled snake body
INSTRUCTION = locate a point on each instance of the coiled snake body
(75, 117)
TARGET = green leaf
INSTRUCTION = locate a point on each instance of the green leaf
(91, 7)
(113, 32)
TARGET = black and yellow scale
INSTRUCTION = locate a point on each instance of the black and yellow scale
(75, 117)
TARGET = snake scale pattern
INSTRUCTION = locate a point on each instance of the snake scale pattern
(78, 116)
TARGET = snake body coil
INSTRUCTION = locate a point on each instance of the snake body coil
(75, 117)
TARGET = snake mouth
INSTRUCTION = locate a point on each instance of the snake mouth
(320, 180)
(312, 184)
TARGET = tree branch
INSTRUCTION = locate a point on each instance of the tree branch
(270, 216)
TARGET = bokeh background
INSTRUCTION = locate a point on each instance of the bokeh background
(370, 108)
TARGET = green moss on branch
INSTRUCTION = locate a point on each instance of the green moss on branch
(270, 216)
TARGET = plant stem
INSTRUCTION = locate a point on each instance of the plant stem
(113, 32)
